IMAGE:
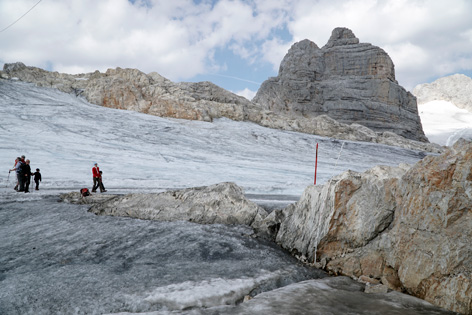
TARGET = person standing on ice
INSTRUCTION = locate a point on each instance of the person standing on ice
(37, 178)
(27, 174)
(17, 160)
(20, 172)
(101, 181)
(97, 179)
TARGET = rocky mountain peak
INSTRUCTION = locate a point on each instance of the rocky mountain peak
(341, 36)
(348, 81)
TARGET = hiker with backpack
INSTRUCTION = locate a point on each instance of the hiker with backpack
(97, 179)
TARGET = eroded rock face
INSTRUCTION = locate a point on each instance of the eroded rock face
(456, 88)
(349, 81)
(409, 228)
(223, 203)
(132, 89)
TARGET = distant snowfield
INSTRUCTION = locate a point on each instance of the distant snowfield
(443, 122)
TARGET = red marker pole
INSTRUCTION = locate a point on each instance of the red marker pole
(316, 162)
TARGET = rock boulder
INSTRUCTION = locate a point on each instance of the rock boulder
(409, 228)
(223, 203)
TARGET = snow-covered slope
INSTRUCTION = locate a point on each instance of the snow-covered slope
(64, 135)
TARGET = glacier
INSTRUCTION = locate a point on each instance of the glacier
(57, 258)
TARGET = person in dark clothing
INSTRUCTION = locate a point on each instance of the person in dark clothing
(37, 178)
(27, 172)
(21, 174)
(101, 181)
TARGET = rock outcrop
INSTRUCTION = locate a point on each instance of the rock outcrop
(223, 203)
(456, 89)
(349, 81)
(132, 89)
(408, 228)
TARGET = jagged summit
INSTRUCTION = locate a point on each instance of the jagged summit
(341, 36)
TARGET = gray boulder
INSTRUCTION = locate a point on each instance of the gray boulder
(223, 203)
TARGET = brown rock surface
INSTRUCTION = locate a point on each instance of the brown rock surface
(410, 228)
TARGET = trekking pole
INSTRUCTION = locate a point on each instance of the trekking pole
(8, 179)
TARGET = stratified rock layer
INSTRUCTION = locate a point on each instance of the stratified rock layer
(411, 228)
(456, 89)
(349, 81)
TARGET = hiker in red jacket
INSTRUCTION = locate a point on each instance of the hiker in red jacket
(97, 179)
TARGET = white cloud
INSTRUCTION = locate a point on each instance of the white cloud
(180, 39)
(274, 51)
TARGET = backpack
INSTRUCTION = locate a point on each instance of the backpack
(22, 168)
(85, 192)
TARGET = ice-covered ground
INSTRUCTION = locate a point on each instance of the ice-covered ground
(57, 258)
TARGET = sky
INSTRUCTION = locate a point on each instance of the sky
(236, 44)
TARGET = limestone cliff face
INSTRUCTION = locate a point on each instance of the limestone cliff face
(456, 89)
(349, 81)
(409, 228)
